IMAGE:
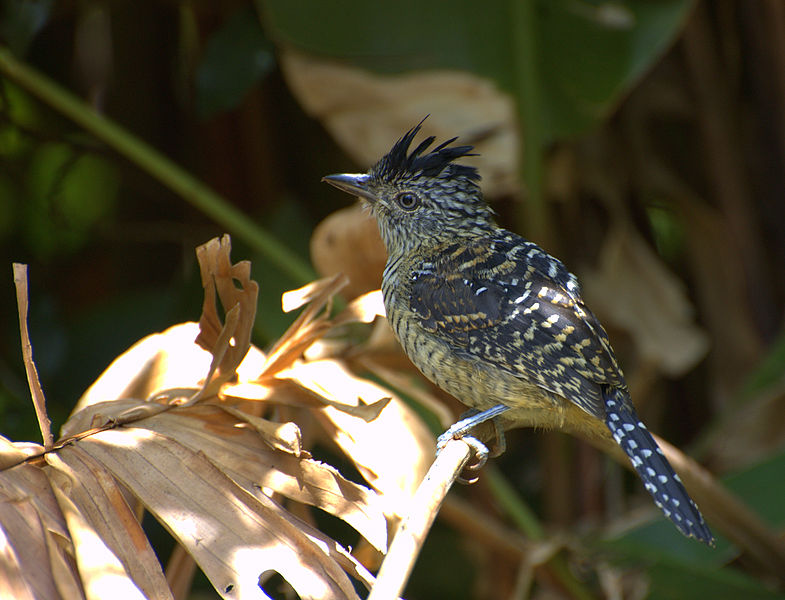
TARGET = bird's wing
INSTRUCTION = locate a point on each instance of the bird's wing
(507, 303)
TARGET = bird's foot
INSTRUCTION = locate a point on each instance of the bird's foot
(480, 451)
(461, 429)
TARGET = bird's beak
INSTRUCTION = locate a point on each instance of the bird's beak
(356, 185)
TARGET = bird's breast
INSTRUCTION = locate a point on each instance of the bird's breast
(475, 383)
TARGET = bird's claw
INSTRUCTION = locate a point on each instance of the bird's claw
(479, 450)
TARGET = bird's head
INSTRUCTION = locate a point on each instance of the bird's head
(420, 198)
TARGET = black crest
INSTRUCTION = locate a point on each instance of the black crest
(399, 163)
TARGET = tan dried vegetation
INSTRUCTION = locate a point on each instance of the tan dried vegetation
(209, 434)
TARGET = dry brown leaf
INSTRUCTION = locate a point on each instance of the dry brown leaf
(29, 520)
(101, 524)
(406, 384)
(634, 291)
(167, 360)
(102, 575)
(290, 393)
(228, 342)
(348, 242)
(12, 582)
(365, 112)
(241, 444)
(163, 364)
(307, 327)
(317, 294)
(395, 474)
(106, 415)
(209, 471)
(13, 453)
(33, 381)
(285, 437)
(234, 536)
(363, 309)
(242, 451)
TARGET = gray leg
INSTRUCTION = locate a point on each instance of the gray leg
(460, 430)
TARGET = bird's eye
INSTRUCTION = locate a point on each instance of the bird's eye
(407, 200)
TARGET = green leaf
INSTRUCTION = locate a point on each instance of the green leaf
(68, 194)
(236, 58)
(683, 568)
(588, 53)
(18, 110)
(672, 580)
(762, 487)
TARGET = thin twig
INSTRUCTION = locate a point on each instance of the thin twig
(39, 401)
(406, 545)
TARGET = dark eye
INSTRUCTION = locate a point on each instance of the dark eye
(407, 200)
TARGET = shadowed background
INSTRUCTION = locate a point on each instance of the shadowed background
(641, 143)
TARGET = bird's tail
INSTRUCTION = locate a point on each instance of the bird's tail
(653, 468)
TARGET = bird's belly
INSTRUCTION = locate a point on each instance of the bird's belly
(476, 383)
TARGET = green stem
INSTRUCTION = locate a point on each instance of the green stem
(509, 500)
(156, 164)
(525, 519)
(529, 109)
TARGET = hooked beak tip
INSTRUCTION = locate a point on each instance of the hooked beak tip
(351, 184)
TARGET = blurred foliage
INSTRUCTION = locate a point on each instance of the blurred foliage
(21, 20)
(588, 53)
(236, 58)
(664, 117)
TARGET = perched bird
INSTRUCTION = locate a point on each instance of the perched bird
(497, 322)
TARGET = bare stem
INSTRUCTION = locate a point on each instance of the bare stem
(408, 541)
(39, 401)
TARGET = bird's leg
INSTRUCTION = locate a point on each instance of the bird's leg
(460, 429)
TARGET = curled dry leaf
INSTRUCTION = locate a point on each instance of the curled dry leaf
(216, 473)
(365, 111)
(290, 393)
(279, 436)
(228, 342)
(348, 242)
(13, 453)
(394, 474)
(633, 290)
(309, 325)
(162, 361)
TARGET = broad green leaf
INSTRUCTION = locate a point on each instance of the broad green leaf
(761, 487)
(68, 194)
(236, 58)
(588, 53)
(673, 580)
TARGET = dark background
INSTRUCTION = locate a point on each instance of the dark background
(662, 118)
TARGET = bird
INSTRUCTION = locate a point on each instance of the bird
(497, 322)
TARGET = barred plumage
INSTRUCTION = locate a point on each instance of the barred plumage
(652, 467)
(495, 320)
